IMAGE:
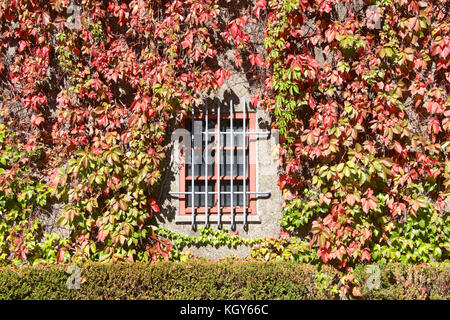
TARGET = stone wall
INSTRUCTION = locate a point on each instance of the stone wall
(268, 209)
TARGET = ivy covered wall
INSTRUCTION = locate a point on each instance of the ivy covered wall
(90, 91)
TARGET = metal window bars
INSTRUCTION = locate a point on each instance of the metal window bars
(218, 134)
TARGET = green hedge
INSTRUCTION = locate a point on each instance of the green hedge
(218, 280)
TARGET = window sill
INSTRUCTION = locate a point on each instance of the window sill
(225, 219)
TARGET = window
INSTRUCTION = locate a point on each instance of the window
(218, 174)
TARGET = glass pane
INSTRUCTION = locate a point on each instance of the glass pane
(238, 127)
(199, 151)
(238, 163)
(199, 170)
(199, 199)
(238, 199)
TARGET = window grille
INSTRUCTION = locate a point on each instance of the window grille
(218, 183)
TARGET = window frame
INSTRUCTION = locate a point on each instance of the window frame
(186, 211)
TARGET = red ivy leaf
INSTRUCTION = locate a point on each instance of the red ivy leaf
(398, 147)
(356, 292)
(325, 6)
(234, 29)
(433, 107)
(256, 59)
(365, 255)
(37, 119)
(22, 45)
(221, 76)
(102, 234)
(284, 234)
(255, 100)
(328, 220)
(60, 255)
(434, 126)
(351, 199)
(153, 205)
(370, 202)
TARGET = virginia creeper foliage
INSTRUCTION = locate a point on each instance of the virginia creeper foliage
(358, 89)
(360, 95)
(94, 86)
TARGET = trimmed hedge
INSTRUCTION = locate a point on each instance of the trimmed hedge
(224, 280)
